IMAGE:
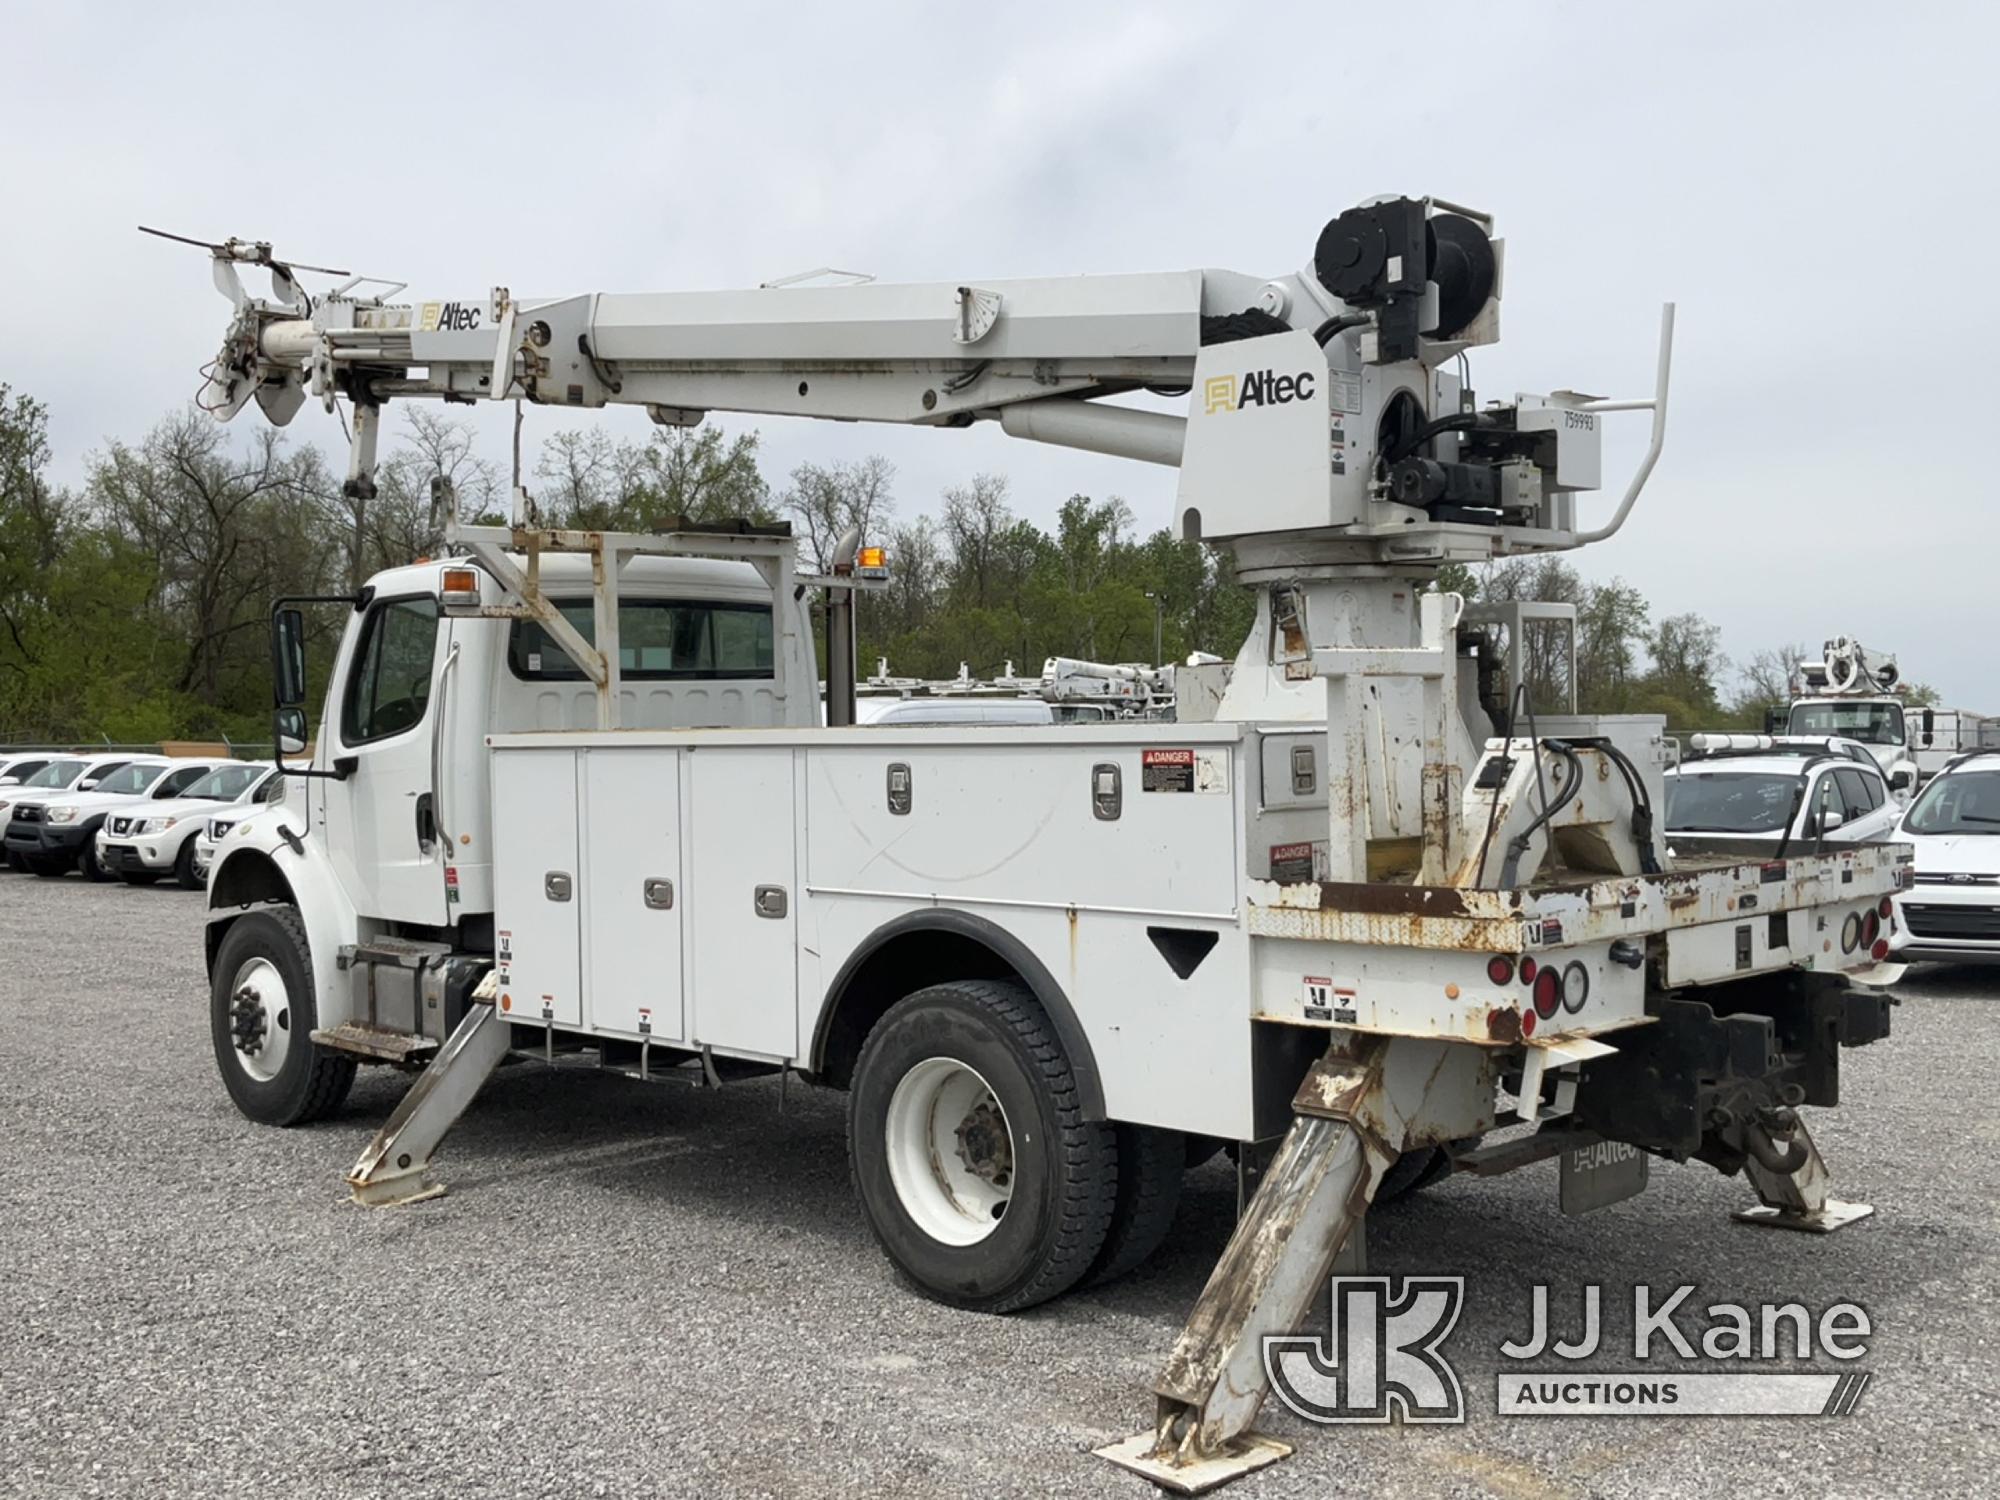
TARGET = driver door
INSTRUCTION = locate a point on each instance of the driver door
(380, 823)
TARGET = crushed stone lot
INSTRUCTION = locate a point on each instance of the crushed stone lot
(646, 1290)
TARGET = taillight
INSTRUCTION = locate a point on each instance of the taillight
(1575, 987)
(1880, 951)
(1885, 908)
(1528, 969)
(1871, 929)
(1500, 969)
(1850, 933)
(1548, 992)
(1527, 1023)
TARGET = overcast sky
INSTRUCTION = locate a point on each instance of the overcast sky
(1812, 184)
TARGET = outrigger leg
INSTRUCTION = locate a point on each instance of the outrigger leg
(395, 1168)
(1793, 1184)
(1359, 1105)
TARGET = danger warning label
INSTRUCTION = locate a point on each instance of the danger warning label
(1183, 770)
(1166, 771)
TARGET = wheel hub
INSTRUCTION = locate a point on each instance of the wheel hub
(246, 1021)
(259, 1019)
(984, 1146)
(950, 1151)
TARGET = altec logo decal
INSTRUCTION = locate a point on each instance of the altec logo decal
(450, 317)
(1258, 388)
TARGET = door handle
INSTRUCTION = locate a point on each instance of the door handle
(771, 901)
(557, 886)
(427, 830)
(659, 893)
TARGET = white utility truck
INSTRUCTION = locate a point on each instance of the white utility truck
(573, 797)
(1857, 694)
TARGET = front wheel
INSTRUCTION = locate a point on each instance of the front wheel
(261, 1019)
(974, 1165)
(141, 877)
(184, 872)
(93, 868)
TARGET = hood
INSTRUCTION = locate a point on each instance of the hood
(1954, 853)
(91, 803)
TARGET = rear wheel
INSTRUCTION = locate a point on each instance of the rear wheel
(1151, 1164)
(974, 1165)
(261, 1019)
(1415, 1170)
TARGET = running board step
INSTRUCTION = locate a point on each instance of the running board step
(400, 1047)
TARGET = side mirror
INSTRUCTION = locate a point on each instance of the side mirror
(288, 730)
(288, 658)
(1930, 725)
(1774, 721)
(88, 784)
(1831, 818)
(1900, 782)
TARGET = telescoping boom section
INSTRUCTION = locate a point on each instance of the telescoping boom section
(576, 796)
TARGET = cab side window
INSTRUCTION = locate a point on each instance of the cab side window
(1861, 791)
(175, 782)
(272, 790)
(389, 684)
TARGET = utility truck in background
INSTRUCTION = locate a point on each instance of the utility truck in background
(1856, 694)
(574, 798)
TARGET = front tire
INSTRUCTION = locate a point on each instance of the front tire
(93, 871)
(184, 873)
(261, 1020)
(975, 1168)
(140, 877)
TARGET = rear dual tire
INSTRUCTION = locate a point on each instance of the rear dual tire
(974, 1166)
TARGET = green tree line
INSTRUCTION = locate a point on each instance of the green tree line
(134, 605)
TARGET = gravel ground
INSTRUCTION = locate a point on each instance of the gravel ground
(638, 1290)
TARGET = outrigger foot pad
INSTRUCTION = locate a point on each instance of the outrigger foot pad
(1832, 1214)
(1239, 1456)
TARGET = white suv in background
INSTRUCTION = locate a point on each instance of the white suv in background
(1950, 912)
(1752, 801)
(141, 843)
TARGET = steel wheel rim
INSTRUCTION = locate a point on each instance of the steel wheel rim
(950, 1151)
(260, 1019)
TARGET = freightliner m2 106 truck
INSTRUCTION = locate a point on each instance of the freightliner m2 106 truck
(575, 797)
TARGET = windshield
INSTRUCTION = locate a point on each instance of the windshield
(1730, 802)
(57, 773)
(1871, 723)
(131, 779)
(225, 784)
(1961, 802)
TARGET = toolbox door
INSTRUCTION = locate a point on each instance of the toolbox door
(535, 886)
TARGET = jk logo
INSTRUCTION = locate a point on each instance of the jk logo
(1382, 1354)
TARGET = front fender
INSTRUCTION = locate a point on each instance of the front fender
(256, 865)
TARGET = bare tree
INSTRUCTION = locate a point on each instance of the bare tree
(827, 499)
